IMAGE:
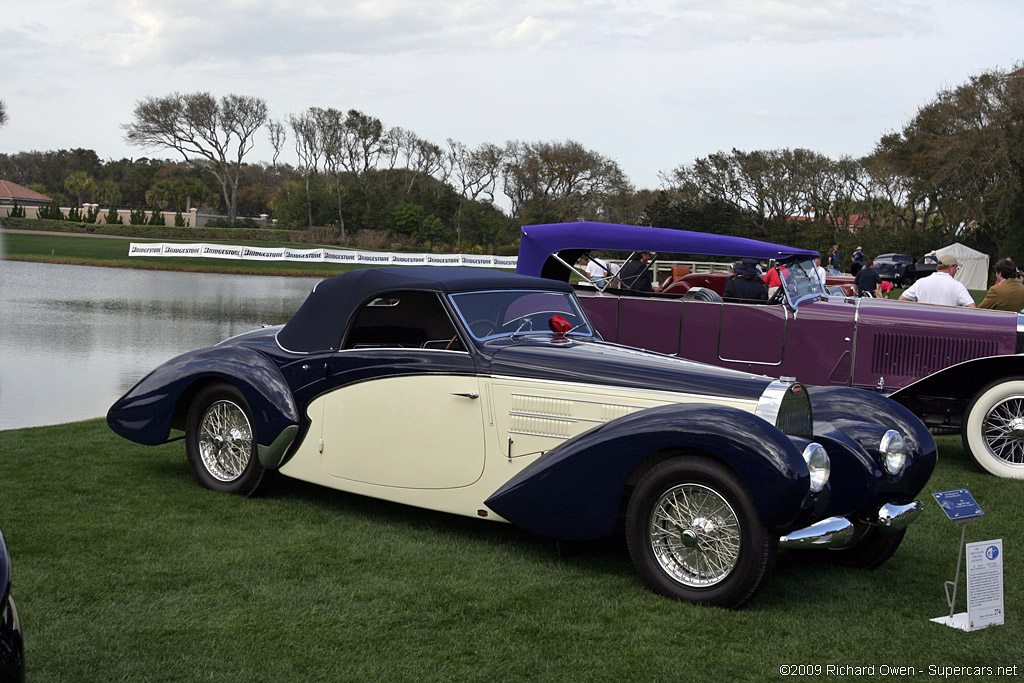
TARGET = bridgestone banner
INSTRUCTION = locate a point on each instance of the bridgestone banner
(367, 258)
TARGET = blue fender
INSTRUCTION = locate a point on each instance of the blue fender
(863, 416)
(146, 413)
(575, 490)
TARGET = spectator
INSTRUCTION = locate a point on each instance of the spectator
(859, 256)
(772, 280)
(940, 288)
(1007, 294)
(867, 281)
(635, 274)
(822, 273)
(885, 288)
(833, 258)
(598, 271)
(745, 283)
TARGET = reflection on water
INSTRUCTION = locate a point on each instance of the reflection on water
(73, 339)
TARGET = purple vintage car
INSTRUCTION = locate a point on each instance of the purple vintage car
(957, 369)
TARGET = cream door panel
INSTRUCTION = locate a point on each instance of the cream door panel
(423, 432)
(533, 416)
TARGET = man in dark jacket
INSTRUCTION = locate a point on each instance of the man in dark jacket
(867, 280)
(636, 275)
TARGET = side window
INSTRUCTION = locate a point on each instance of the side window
(403, 320)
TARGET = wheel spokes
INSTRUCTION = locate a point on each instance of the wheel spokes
(225, 441)
(1003, 430)
(695, 535)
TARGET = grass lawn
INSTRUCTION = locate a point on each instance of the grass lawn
(124, 569)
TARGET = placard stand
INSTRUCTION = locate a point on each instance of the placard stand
(960, 507)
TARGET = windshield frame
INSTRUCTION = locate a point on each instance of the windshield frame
(583, 329)
(802, 282)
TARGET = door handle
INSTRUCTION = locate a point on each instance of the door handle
(466, 394)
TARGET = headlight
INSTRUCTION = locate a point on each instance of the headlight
(818, 465)
(893, 452)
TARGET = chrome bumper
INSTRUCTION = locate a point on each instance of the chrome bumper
(834, 532)
(837, 532)
(892, 518)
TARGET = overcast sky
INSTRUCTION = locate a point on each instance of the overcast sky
(652, 85)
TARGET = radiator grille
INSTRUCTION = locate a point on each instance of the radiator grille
(907, 355)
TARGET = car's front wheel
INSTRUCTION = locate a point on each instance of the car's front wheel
(993, 429)
(694, 534)
(221, 443)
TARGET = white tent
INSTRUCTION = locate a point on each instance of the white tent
(973, 270)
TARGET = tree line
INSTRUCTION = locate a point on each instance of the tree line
(955, 172)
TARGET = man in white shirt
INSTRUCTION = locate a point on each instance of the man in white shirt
(940, 288)
(598, 271)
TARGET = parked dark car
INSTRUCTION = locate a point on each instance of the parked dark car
(902, 269)
(955, 368)
(490, 395)
(12, 643)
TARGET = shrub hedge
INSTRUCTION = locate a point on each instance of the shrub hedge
(155, 232)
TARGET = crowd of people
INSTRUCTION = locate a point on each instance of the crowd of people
(751, 280)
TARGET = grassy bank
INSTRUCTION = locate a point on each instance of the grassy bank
(124, 569)
(85, 250)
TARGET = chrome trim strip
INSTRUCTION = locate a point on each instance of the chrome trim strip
(635, 390)
(834, 532)
(893, 518)
(270, 456)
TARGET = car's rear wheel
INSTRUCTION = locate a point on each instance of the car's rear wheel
(221, 442)
(993, 429)
(694, 534)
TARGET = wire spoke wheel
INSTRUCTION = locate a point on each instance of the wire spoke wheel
(695, 535)
(225, 440)
(993, 428)
(221, 442)
(1004, 430)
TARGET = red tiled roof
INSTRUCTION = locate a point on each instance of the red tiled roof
(10, 192)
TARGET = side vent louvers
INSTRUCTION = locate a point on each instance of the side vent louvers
(906, 355)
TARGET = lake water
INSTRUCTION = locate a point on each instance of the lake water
(73, 339)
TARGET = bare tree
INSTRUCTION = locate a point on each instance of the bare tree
(277, 137)
(309, 147)
(214, 135)
(477, 172)
(3, 113)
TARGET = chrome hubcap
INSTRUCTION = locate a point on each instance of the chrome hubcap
(695, 535)
(225, 441)
(1004, 430)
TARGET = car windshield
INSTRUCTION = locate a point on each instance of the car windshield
(508, 313)
(800, 280)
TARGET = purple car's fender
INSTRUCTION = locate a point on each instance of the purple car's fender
(152, 407)
(574, 491)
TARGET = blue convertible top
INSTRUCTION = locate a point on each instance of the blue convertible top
(538, 242)
(321, 321)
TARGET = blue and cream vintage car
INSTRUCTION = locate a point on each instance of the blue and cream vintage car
(490, 395)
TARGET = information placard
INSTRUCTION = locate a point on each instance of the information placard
(959, 505)
(984, 584)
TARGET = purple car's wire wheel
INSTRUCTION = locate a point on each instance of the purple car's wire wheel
(1004, 430)
(695, 535)
(225, 440)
